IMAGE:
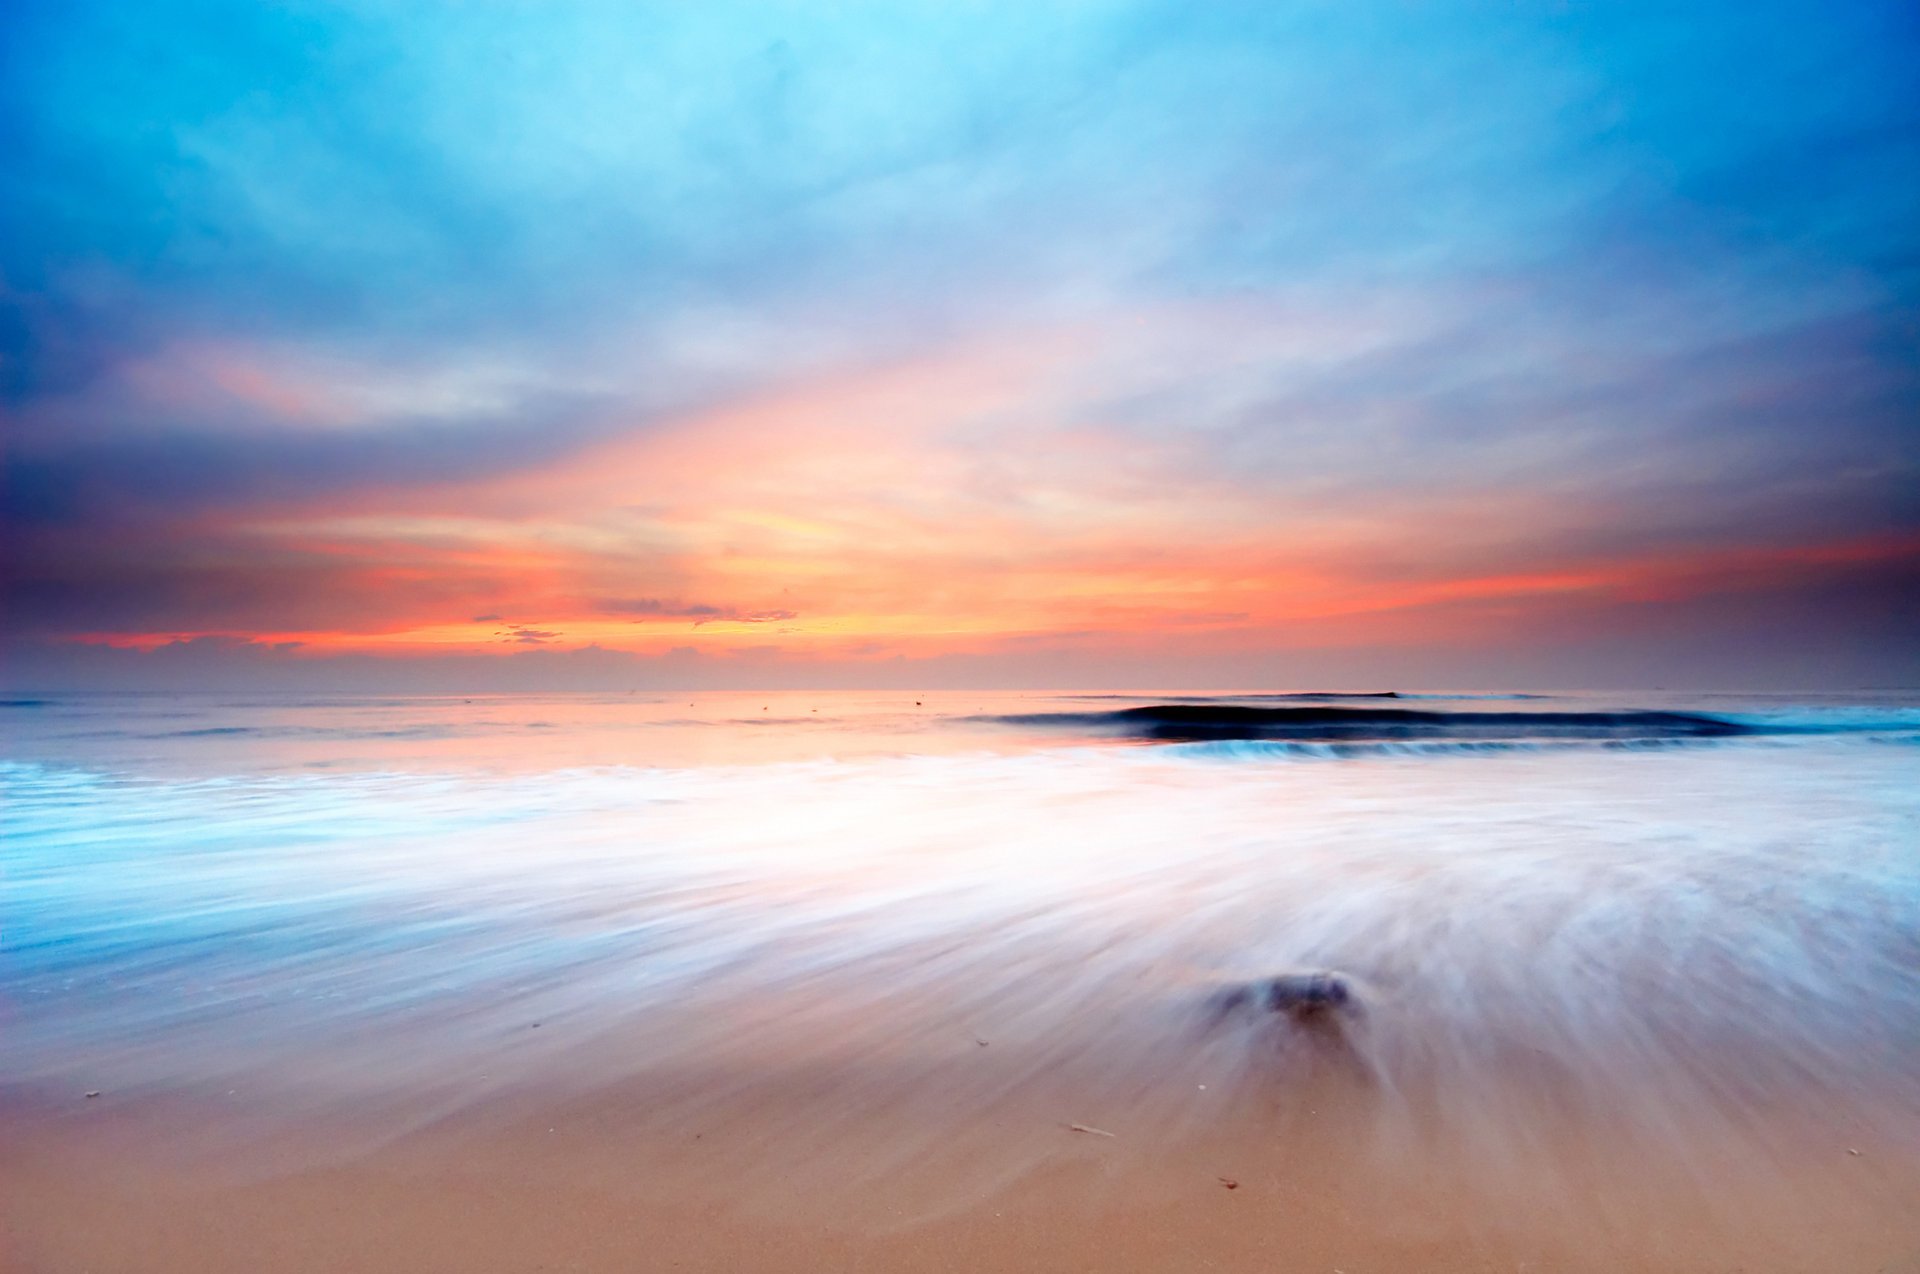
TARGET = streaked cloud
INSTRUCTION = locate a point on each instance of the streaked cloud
(1169, 336)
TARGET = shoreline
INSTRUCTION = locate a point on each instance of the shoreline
(1611, 1011)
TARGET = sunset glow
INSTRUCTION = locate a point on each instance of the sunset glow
(1117, 335)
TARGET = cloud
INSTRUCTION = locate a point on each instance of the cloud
(528, 636)
(936, 325)
(641, 609)
(652, 606)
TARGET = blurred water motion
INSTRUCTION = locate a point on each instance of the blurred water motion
(1690, 950)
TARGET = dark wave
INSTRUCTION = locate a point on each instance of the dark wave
(1208, 722)
(1288, 694)
(1308, 696)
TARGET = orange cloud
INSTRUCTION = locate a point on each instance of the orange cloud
(949, 503)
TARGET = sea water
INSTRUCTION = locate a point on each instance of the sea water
(1672, 918)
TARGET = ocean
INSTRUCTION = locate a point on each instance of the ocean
(1687, 928)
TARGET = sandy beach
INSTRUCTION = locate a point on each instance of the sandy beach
(834, 1169)
(590, 1196)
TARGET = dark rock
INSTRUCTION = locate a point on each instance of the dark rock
(1301, 996)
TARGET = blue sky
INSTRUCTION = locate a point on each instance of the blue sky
(1184, 342)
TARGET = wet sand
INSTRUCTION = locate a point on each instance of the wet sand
(850, 1168)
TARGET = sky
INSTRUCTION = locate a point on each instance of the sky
(567, 345)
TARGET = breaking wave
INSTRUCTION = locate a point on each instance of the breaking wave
(1200, 722)
(1335, 730)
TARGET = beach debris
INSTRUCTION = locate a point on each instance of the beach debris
(1229, 1183)
(1850, 1149)
(1098, 1132)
